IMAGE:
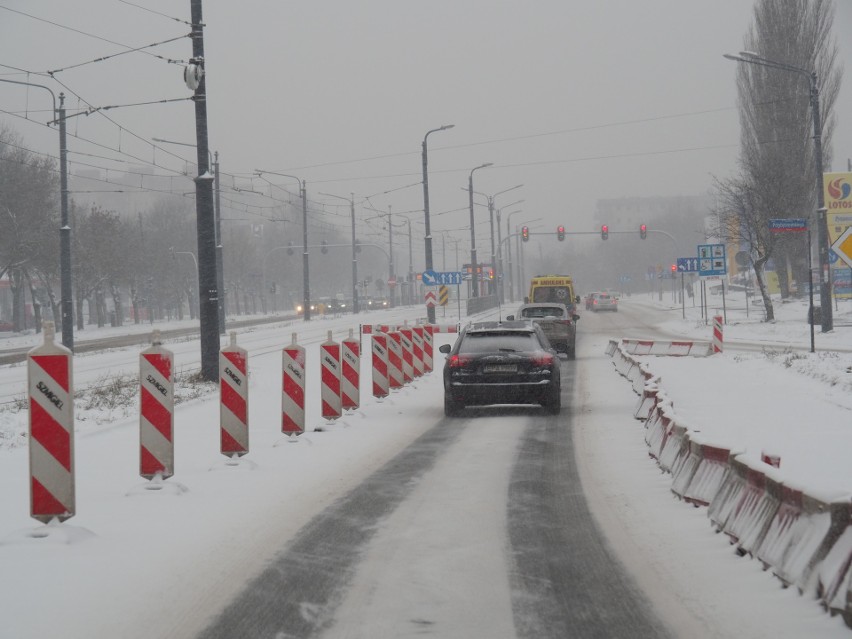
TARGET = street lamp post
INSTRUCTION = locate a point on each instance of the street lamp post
(306, 288)
(822, 223)
(66, 309)
(473, 262)
(430, 310)
(509, 259)
(351, 201)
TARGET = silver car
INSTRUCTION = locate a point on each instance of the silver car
(604, 302)
(555, 321)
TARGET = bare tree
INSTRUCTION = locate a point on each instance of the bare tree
(777, 164)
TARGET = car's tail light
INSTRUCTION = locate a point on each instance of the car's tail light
(541, 359)
(566, 322)
(458, 361)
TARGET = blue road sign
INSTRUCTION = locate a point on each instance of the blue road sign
(712, 260)
(687, 265)
(430, 278)
(435, 278)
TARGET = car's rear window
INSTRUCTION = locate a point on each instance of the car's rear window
(543, 311)
(494, 342)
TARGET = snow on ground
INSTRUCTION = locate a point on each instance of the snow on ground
(180, 552)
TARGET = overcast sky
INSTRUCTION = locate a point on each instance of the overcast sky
(577, 101)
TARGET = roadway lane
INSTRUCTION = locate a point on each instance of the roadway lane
(478, 529)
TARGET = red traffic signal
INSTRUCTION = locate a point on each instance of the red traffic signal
(525, 233)
(604, 232)
(643, 231)
(674, 268)
(560, 232)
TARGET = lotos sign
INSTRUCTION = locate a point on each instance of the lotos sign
(838, 202)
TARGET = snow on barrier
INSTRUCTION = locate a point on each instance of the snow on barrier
(156, 414)
(233, 400)
(701, 474)
(51, 430)
(293, 389)
(676, 348)
(331, 408)
(381, 381)
(804, 539)
(350, 374)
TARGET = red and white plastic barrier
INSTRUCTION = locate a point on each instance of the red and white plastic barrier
(395, 360)
(233, 400)
(428, 348)
(330, 379)
(664, 347)
(445, 328)
(293, 389)
(350, 376)
(417, 350)
(157, 408)
(51, 433)
(381, 381)
(717, 334)
(407, 353)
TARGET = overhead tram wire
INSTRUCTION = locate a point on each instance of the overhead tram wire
(138, 6)
(78, 31)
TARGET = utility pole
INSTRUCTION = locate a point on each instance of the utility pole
(220, 271)
(65, 236)
(206, 224)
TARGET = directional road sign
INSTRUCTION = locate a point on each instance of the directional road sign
(435, 278)
(687, 265)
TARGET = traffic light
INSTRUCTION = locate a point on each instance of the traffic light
(604, 232)
(324, 248)
(560, 233)
(525, 233)
(674, 269)
(490, 273)
(643, 231)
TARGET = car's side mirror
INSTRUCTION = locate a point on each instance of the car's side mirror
(575, 316)
(445, 348)
(510, 318)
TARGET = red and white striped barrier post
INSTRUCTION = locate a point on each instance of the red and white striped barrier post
(395, 360)
(350, 373)
(407, 353)
(330, 379)
(293, 389)
(428, 347)
(417, 350)
(233, 400)
(717, 334)
(381, 383)
(51, 434)
(157, 408)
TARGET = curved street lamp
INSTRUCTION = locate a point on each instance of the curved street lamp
(66, 310)
(430, 310)
(750, 57)
(473, 262)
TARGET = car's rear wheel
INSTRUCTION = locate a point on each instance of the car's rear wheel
(451, 406)
(552, 403)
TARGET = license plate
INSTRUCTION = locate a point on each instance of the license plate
(501, 368)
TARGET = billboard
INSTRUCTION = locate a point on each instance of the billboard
(838, 201)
